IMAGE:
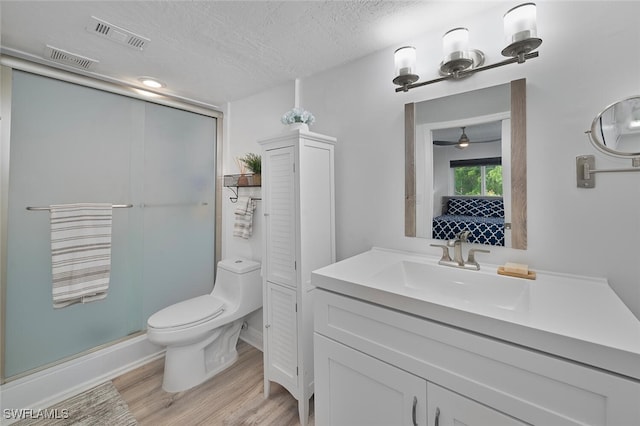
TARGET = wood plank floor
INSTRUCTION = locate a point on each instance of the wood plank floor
(233, 397)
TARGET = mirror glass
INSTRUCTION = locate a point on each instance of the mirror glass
(466, 166)
(616, 130)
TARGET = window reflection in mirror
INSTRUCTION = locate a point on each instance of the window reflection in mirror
(470, 167)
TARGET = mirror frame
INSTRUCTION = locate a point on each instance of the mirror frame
(601, 145)
(518, 166)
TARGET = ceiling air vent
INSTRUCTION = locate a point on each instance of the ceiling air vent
(114, 33)
(67, 58)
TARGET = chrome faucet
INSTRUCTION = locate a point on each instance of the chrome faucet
(458, 258)
(457, 247)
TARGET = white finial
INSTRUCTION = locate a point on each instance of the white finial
(296, 93)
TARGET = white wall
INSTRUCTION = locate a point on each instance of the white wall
(586, 62)
(247, 121)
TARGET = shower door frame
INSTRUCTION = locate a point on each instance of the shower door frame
(7, 65)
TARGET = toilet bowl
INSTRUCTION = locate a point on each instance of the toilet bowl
(201, 333)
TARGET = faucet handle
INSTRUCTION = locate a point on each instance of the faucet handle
(445, 252)
(464, 235)
(472, 252)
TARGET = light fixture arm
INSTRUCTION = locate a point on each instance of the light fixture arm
(521, 58)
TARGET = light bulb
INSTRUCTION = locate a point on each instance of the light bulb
(520, 23)
(405, 60)
(455, 40)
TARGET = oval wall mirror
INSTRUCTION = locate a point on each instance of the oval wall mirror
(616, 130)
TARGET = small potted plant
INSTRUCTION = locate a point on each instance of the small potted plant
(254, 165)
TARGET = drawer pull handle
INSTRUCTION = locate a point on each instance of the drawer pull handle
(437, 422)
(413, 411)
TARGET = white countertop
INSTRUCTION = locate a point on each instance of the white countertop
(573, 317)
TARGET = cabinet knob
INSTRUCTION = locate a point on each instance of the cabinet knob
(437, 422)
(267, 325)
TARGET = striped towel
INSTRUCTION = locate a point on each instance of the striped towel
(80, 252)
(243, 226)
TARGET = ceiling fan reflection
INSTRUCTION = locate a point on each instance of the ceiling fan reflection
(462, 142)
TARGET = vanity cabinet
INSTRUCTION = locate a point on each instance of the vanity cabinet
(357, 389)
(369, 357)
(298, 201)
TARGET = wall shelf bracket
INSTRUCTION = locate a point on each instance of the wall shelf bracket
(586, 170)
(234, 182)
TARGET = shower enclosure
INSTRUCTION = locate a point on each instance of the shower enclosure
(70, 143)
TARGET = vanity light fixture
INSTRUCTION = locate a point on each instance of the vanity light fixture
(459, 61)
(405, 61)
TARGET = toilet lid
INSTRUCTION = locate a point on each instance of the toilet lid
(189, 312)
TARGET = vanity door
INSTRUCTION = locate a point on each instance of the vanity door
(356, 389)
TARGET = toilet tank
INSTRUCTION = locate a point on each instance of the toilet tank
(237, 265)
(238, 281)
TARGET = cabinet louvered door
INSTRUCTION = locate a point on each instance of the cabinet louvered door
(279, 196)
(282, 336)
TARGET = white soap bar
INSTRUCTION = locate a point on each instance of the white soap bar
(516, 268)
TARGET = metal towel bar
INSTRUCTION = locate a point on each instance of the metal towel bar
(115, 206)
(175, 204)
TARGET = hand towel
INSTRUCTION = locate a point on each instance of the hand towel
(80, 252)
(243, 226)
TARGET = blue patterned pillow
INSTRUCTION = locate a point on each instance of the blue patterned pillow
(459, 206)
(476, 209)
(490, 208)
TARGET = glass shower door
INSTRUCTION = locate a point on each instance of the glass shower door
(70, 144)
(178, 207)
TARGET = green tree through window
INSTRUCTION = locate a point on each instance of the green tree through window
(493, 180)
(478, 180)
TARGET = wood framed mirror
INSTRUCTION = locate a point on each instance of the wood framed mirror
(505, 104)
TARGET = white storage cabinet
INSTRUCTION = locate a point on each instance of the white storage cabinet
(298, 199)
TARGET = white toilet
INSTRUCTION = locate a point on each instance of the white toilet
(201, 333)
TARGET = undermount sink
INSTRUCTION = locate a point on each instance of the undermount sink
(456, 287)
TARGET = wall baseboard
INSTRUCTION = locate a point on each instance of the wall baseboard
(252, 336)
(48, 387)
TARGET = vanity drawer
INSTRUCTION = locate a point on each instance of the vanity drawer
(532, 386)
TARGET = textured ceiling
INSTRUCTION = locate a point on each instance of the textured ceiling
(220, 51)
